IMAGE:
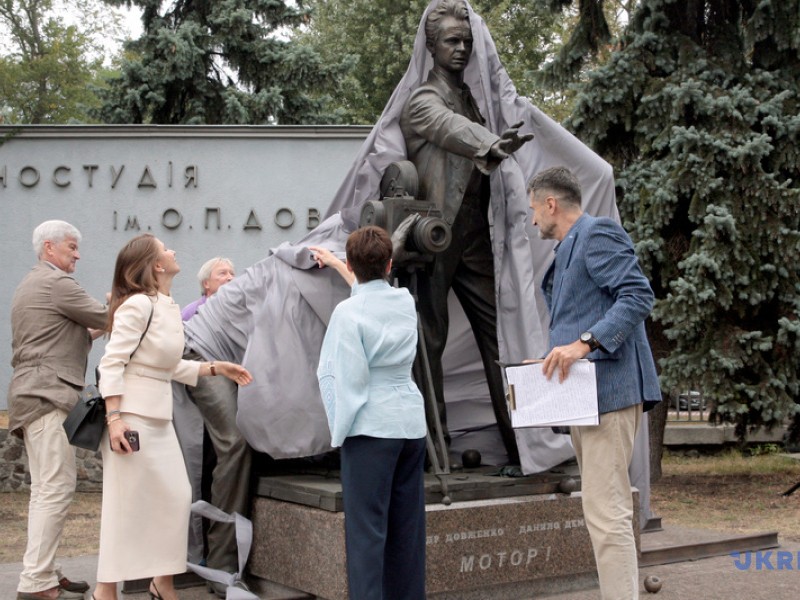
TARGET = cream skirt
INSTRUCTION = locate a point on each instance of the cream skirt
(144, 525)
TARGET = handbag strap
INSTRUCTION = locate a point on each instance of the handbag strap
(146, 327)
(144, 333)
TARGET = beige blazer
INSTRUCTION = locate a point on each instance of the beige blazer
(50, 314)
(143, 380)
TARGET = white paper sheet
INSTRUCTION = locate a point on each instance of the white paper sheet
(537, 402)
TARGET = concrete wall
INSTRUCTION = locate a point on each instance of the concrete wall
(205, 191)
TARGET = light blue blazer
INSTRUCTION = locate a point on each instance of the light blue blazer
(595, 284)
(365, 366)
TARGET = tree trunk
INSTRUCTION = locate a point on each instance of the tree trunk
(657, 420)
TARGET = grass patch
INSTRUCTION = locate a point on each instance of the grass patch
(81, 534)
(761, 460)
(730, 492)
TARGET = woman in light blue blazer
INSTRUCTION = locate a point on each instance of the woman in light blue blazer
(376, 414)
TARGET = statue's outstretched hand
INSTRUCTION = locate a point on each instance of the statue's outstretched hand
(510, 141)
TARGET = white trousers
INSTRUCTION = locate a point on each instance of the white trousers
(51, 462)
(604, 453)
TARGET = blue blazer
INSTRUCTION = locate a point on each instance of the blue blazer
(595, 284)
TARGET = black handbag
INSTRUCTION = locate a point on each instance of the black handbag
(86, 421)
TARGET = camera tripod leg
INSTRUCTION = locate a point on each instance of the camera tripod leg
(440, 464)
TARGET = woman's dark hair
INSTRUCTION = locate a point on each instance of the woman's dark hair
(134, 272)
(369, 250)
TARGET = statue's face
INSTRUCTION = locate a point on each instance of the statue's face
(453, 45)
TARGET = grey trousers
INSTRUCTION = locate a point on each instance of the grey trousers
(215, 397)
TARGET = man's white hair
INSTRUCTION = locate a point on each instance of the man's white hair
(53, 231)
(205, 271)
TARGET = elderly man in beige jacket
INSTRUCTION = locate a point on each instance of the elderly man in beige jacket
(51, 319)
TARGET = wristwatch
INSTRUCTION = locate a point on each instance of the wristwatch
(587, 337)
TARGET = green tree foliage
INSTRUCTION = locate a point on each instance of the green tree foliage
(593, 28)
(376, 39)
(699, 112)
(46, 65)
(221, 62)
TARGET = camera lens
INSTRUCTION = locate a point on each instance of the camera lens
(430, 234)
(438, 236)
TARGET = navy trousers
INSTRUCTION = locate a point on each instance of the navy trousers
(384, 512)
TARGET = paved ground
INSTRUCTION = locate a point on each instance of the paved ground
(719, 577)
(706, 579)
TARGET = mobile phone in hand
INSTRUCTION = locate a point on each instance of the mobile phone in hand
(132, 437)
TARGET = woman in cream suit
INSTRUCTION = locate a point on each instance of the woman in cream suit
(146, 493)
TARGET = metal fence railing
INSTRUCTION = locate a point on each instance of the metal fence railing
(688, 405)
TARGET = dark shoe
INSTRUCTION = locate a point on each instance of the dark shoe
(73, 586)
(221, 590)
(42, 595)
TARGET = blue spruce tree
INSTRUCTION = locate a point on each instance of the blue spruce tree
(219, 62)
(698, 109)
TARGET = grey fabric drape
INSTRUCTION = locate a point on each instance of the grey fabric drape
(273, 316)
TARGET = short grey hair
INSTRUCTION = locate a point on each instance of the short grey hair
(559, 180)
(205, 271)
(446, 8)
(55, 232)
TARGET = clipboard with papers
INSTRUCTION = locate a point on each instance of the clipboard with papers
(536, 402)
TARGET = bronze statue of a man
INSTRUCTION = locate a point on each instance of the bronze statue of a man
(454, 154)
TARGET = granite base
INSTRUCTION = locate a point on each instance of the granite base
(507, 547)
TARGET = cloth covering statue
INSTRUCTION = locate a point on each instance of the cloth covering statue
(273, 317)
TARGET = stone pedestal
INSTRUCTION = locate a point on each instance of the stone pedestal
(501, 548)
(484, 543)
(300, 547)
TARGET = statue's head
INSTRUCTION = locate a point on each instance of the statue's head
(448, 36)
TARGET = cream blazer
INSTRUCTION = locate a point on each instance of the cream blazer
(143, 380)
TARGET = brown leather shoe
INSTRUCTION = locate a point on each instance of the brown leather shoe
(73, 586)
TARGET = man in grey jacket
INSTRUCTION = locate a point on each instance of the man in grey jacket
(51, 319)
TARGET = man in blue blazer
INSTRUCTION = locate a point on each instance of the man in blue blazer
(598, 299)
